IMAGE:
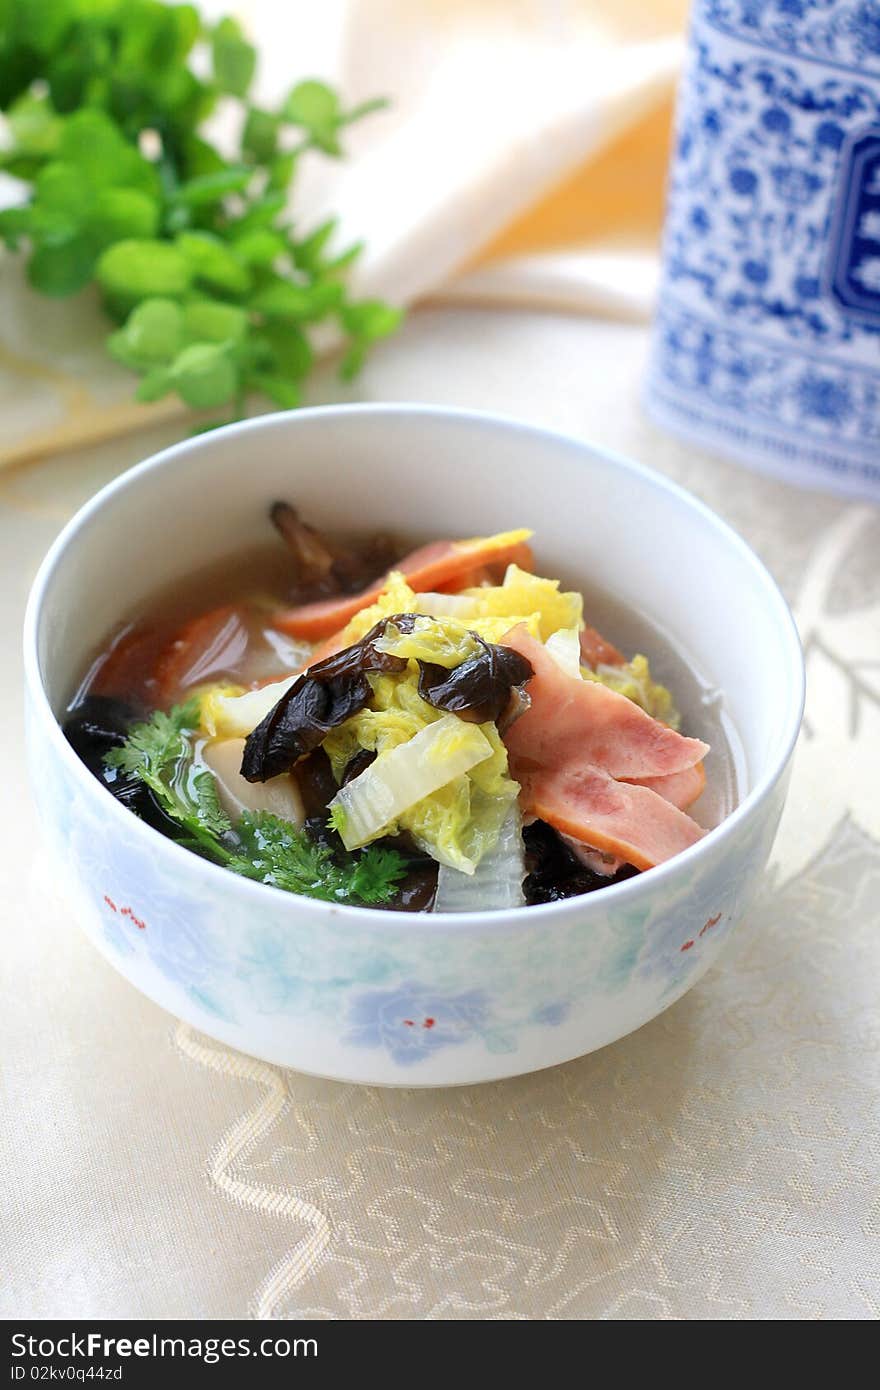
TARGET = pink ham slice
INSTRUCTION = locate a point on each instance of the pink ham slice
(441, 565)
(571, 751)
(597, 651)
(681, 788)
(618, 818)
(574, 722)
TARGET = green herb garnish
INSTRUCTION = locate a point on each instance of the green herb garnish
(261, 846)
(214, 289)
(274, 851)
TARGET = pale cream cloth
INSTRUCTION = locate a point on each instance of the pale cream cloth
(494, 107)
(521, 160)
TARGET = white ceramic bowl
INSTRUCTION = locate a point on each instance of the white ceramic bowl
(361, 994)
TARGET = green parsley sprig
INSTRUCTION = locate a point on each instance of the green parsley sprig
(260, 846)
(214, 290)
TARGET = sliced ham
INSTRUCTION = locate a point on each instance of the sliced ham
(681, 788)
(442, 565)
(206, 648)
(618, 818)
(596, 651)
(574, 723)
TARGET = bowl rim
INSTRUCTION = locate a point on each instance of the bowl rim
(630, 890)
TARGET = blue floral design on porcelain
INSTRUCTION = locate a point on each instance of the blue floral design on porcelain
(843, 32)
(673, 948)
(676, 943)
(413, 1019)
(139, 902)
(755, 349)
(142, 911)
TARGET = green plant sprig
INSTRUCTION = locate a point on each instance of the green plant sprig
(213, 288)
(260, 846)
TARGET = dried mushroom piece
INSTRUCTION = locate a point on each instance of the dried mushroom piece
(321, 699)
(324, 568)
(478, 690)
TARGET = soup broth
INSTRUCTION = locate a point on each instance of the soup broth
(218, 629)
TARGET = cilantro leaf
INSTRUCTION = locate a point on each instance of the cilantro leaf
(156, 744)
(377, 874)
(205, 802)
(273, 851)
(158, 751)
(261, 846)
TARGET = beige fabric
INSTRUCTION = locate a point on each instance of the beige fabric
(720, 1163)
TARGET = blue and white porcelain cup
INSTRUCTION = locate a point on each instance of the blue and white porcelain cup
(767, 335)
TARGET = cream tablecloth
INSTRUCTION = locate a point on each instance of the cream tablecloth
(720, 1163)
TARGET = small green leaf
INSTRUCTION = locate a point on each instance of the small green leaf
(281, 298)
(261, 213)
(154, 330)
(91, 141)
(204, 375)
(371, 319)
(308, 253)
(34, 126)
(20, 166)
(365, 108)
(124, 212)
(285, 394)
(186, 19)
(98, 9)
(234, 58)
(58, 188)
(155, 38)
(281, 171)
(211, 188)
(315, 108)
(212, 261)
(260, 135)
(212, 322)
(324, 296)
(62, 268)
(352, 361)
(67, 77)
(137, 269)
(119, 350)
(339, 264)
(41, 23)
(312, 105)
(200, 158)
(156, 384)
(261, 248)
(289, 347)
(14, 223)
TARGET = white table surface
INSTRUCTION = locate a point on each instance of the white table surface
(720, 1163)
